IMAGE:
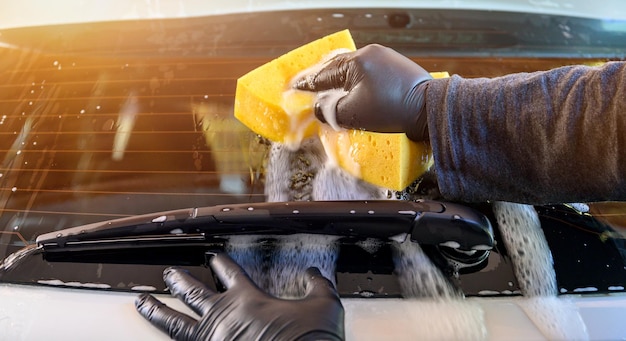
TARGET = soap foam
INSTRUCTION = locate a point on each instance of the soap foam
(277, 264)
(280, 274)
(328, 101)
(462, 320)
(311, 72)
(298, 122)
(338, 143)
(74, 284)
(334, 183)
(306, 174)
(322, 180)
(557, 318)
(327, 98)
(418, 276)
(289, 174)
(527, 246)
(370, 245)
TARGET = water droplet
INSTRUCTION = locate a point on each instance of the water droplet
(14, 189)
(82, 111)
(55, 63)
(159, 219)
(366, 293)
(19, 152)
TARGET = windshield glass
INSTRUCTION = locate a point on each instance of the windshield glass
(113, 119)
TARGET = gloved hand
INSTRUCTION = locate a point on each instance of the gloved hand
(385, 92)
(243, 311)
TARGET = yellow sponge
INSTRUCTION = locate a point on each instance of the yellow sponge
(386, 160)
(265, 102)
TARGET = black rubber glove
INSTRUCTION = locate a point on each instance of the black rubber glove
(243, 311)
(385, 91)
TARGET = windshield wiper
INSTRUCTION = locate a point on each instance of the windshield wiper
(425, 222)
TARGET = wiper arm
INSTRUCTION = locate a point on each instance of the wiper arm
(425, 222)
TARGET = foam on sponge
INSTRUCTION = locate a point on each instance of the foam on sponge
(266, 103)
(387, 160)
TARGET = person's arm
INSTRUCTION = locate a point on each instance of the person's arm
(553, 136)
(542, 137)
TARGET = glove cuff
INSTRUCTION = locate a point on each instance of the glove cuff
(418, 128)
(318, 335)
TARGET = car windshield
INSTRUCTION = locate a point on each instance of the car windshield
(107, 120)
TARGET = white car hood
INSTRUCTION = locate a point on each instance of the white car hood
(48, 313)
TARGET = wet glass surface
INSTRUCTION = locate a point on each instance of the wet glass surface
(108, 120)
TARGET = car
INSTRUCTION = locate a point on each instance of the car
(121, 157)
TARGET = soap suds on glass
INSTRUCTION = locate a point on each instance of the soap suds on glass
(277, 264)
(56, 282)
(527, 246)
(310, 172)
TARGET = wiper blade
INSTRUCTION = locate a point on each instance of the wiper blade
(425, 222)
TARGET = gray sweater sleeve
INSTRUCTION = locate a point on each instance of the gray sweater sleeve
(543, 137)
